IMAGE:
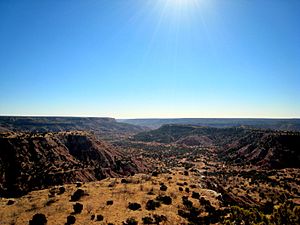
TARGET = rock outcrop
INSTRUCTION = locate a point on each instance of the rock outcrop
(31, 161)
(274, 150)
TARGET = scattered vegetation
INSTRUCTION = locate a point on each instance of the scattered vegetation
(77, 195)
(99, 217)
(110, 202)
(163, 187)
(152, 204)
(130, 221)
(10, 202)
(38, 219)
(190, 185)
(134, 206)
(167, 200)
(71, 220)
(77, 208)
(195, 195)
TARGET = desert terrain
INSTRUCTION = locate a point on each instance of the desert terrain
(176, 174)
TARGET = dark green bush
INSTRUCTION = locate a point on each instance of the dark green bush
(130, 221)
(77, 208)
(38, 219)
(134, 206)
(152, 205)
(167, 200)
(71, 219)
(77, 195)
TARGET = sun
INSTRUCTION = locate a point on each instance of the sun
(181, 10)
(182, 6)
(182, 3)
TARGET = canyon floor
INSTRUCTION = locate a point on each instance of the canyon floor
(177, 174)
(205, 193)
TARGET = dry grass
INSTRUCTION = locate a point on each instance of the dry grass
(95, 202)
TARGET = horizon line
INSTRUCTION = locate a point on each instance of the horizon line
(143, 118)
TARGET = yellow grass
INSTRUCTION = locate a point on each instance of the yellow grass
(98, 194)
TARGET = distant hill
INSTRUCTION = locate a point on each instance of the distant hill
(172, 133)
(105, 128)
(265, 148)
(33, 161)
(274, 124)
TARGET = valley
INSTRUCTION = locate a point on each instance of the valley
(176, 174)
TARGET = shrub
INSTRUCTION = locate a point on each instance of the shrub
(210, 209)
(180, 189)
(183, 213)
(134, 206)
(152, 205)
(100, 218)
(148, 220)
(186, 202)
(110, 202)
(191, 215)
(167, 200)
(193, 186)
(77, 195)
(159, 218)
(187, 190)
(286, 213)
(77, 208)
(163, 187)
(61, 190)
(38, 219)
(240, 215)
(130, 221)
(71, 219)
(10, 202)
(112, 184)
(124, 181)
(185, 198)
(203, 201)
(155, 174)
(92, 217)
(195, 195)
(194, 212)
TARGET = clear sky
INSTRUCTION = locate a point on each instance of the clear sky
(150, 58)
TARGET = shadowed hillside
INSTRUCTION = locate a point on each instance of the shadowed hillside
(34, 161)
(272, 150)
(265, 148)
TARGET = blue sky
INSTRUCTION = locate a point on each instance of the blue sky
(150, 58)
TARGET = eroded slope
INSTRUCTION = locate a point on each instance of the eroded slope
(33, 161)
